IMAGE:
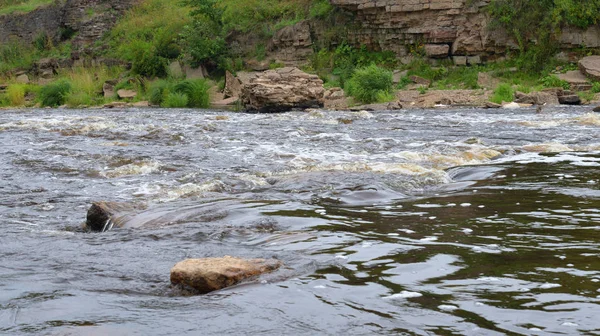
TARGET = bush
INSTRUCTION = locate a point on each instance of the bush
(55, 94)
(76, 99)
(175, 100)
(595, 87)
(320, 9)
(159, 91)
(370, 84)
(553, 81)
(196, 92)
(503, 93)
(15, 94)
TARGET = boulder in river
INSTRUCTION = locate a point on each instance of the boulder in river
(210, 274)
(282, 90)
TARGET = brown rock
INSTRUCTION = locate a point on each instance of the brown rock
(574, 77)
(378, 107)
(224, 103)
(23, 79)
(143, 103)
(420, 80)
(210, 274)
(571, 99)
(590, 66)
(281, 90)
(108, 88)
(596, 109)
(335, 99)
(492, 105)
(116, 105)
(459, 60)
(398, 75)
(292, 45)
(233, 86)
(437, 50)
(536, 98)
(125, 94)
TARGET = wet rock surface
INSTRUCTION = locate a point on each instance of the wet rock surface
(211, 274)
(590, 66)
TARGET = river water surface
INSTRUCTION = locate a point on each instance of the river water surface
(421, 222)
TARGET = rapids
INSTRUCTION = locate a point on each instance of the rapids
(419, 222)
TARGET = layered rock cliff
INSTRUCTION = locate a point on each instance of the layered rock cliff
(84, 20)
(439, 28)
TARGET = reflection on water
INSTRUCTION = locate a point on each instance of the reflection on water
(447, 222)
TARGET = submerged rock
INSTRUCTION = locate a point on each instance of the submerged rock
(282, 90)
(210, 274)
(103, 216)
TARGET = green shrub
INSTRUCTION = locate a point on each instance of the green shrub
(320, 9)
(175, 100)
(15, 94)
(76, 99)
(54, 94)
(159, 91)
(404, 81)
(196, 91)
(553, 81)
(370, 83)
(503, 93)
(595, 87)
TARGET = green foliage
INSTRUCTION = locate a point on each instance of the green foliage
(320, 9)
(404, 81)
(196, 92)
(204, 42)
(553, 81)
(78, 99)
(15, 55)
(15, 94)
(175, 100)
(54, 94)
(595, 87)
(43, 42)
(369, 84)
(147, 62)
(158, 91)
(21, 6)
(503, 93)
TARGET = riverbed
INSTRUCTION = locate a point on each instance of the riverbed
(417, 222)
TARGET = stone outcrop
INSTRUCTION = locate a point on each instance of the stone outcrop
(461, 26)
(211, 274)
(85, 20)
(292, 45)
(282, 90)
(590, 66)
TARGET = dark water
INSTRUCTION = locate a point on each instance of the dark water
(445, 222)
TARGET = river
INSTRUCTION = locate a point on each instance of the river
(418, 222)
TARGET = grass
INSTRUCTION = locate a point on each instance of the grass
(15, 94)
(21, 6)
(503, 93)
(86, 84)
(175, 100)
(55, 94)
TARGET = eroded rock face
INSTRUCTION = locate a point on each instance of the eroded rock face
(210, 274)
(292, 45)
(282, 90)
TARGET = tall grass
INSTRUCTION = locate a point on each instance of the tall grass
(503, 93)
(197, 92)
(86, 84)
(175, 100)
(170, 94)
(15, 94)
(55, 94)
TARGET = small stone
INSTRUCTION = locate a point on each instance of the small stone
(143, 103)
(459, 60)
(22, 79)
(210, 274)
(474, 60)
(492, 105)
(115, 105)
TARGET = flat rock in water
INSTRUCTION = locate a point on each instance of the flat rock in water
(590, 66)
(378, 107)
(210, 274)
(596, 109)
(492, 105)
(572, 99)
